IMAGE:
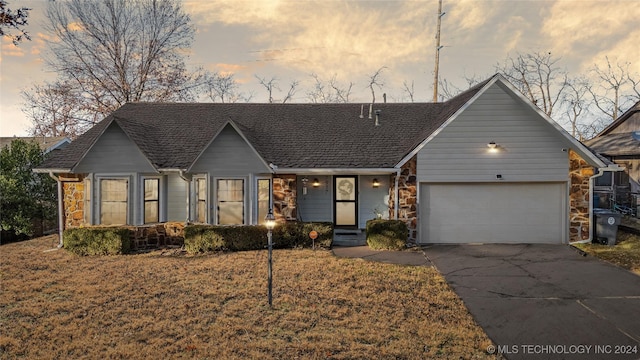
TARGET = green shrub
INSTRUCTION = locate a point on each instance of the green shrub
(204, 238)
(97, 241)
(387, 234)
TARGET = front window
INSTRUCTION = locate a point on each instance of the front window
(264, 192)
(230, 197)
(114, 195)
(201, 200)
(87, 201)
(151, 201)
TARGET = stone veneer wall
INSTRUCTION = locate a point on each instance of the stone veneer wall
(145, 237)
(73, 195)
(407, 196)
(284, 197)
(579, 174)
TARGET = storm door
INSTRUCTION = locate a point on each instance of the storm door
(345, 201)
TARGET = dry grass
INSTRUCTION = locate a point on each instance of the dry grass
(625, 253)
(54, 305)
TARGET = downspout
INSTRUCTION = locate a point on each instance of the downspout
(60, 209)
(188, 181)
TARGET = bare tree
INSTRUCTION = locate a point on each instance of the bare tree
(55, 109)
(113, 52)
(409, 89)
(13, 20)
(613, 82)
(292, 90)
(223, 87)
(342, 94)
(538, 77)
(329, 91)
(374, 80)
(270, 85)
(576, 103)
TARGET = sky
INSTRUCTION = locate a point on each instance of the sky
(350, 40)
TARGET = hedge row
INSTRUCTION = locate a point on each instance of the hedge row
(97, 241)
(203, 238)
(387, 234)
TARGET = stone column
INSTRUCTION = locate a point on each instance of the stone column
(579, 173)
(407, 196)
(284, 197)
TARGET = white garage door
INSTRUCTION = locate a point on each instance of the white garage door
(493, 213)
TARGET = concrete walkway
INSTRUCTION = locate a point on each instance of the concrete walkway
(536, 301)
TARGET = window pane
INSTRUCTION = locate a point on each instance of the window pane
(113, 201)
(151, 189)
(264, 190)
(346, 189)
(230, 197)
(201, 200)
(346, 213)
(151, 212)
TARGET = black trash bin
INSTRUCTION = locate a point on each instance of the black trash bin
(607, 222)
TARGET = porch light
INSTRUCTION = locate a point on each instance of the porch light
(493, 147)
(316, 182)
(270, 223)
(375, 183)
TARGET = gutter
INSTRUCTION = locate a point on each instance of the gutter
(60, 209)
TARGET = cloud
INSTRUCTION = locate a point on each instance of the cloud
(8, 49)
(323, 36)
(580, 29)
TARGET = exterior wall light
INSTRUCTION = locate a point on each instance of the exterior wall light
(493, 147)
(316, 182)
(375, 183)
(270, 223)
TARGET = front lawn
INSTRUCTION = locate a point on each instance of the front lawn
(626, 252)
(163, 305)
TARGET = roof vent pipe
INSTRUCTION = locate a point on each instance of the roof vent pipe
(370, 111)
(378, 117)
(384, 97)
(362, 111)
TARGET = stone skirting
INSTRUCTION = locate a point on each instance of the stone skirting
(407, 198)
(579, 174)
(146, 237)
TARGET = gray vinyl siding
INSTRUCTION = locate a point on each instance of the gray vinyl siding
(114, 152)
(532, 149)
(176, 198)
(229, 155)
(372, 198)
(317, 205)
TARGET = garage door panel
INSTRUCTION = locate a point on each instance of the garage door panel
(493, 213)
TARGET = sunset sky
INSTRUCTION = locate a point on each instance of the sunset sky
(290, 40)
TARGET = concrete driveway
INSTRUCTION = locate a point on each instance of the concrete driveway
(545, 301)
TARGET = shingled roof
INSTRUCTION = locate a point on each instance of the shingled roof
(613, 142)
(297, 136)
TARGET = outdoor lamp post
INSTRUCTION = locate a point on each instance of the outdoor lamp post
(270, 222)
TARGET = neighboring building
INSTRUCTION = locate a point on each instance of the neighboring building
(485, 166)
(46, 143)
(620, 142)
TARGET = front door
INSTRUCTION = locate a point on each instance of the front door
(345, 201)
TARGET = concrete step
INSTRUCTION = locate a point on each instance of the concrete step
(355, 237)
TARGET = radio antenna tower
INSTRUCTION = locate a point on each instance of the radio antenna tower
(438, 47)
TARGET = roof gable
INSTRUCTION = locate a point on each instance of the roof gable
(229, 126)
(114, 151)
